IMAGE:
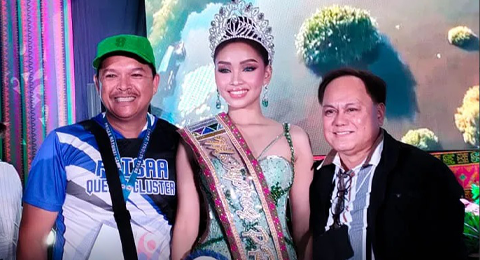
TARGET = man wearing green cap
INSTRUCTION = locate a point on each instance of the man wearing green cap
(70, 185)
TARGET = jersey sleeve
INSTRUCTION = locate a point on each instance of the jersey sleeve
(47, 182)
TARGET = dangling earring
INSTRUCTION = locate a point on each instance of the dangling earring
(265, 98)
(218, 103)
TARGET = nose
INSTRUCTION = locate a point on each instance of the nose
(124, 83)
(340, 119)
(236, 78)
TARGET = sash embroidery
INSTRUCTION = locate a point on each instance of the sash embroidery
(227, 145)
(221, 204)
(224, 153)
(261, 185)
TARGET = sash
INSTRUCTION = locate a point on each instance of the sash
(218, 139)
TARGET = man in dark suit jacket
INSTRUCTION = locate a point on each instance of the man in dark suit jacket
(374, 197)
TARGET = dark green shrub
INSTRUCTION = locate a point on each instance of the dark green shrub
(336, 35)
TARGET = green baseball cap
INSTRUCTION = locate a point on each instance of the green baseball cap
(137, 45)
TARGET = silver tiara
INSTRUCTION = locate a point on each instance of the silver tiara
(241, 20)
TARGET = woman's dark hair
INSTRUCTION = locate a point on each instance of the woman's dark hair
(255, 45)
(374, 85)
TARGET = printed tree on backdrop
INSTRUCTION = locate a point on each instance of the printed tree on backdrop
(168, 20)
(467, 117)
(337, 36)
(422, 138)
(463, 37)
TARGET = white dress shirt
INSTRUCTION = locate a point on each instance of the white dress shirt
(10, 210)
(355, 211)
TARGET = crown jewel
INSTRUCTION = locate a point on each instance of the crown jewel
(239, 19)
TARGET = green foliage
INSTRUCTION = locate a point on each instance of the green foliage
(460, 36)
(169, 19)
(422, 138)
(475, 193)
(467, 117)
(336, 35)
(470, 231)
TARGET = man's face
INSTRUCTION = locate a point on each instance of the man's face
(126, 87)
(351, 121)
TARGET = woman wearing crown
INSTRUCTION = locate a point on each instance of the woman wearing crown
(250, 164)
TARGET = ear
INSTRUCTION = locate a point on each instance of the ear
(268, 75)
(156, 81)
(97, 83)
(381, 113)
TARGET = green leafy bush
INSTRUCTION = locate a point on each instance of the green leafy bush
(470, 230)
(467, 117)
(422, 138)
(336, 35)
(460, 36)
(471, 225)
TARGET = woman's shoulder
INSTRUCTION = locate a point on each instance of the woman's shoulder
(300, 139)
(297, 132)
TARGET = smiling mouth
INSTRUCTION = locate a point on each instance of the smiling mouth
(124, 99)
(343, 133)
(238, 92)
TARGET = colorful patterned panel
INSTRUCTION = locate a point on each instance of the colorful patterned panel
(37, 75)
(465, 166)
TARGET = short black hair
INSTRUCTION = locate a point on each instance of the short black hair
(374, 85)
(254, 44)
(126, 54)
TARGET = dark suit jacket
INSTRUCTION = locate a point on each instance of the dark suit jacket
(414, 211)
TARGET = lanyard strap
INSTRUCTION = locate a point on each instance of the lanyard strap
(127, 187)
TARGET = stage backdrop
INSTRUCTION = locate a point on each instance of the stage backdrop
(36, 75)
(426, 51)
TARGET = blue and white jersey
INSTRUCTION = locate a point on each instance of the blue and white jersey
(67, 176)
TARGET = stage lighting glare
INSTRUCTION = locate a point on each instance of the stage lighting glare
(51, 238)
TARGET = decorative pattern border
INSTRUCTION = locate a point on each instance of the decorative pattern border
(458, 157)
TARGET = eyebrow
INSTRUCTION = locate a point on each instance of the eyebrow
(242, 62)
(345, 105)
(327, 105)
(138, 68)
(132, 70)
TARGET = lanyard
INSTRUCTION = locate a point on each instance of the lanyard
(127, 187)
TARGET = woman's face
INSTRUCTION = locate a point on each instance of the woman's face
(240, 74)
